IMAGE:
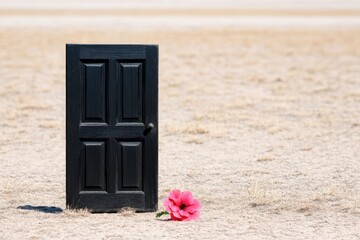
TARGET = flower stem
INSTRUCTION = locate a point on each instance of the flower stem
(159, 214)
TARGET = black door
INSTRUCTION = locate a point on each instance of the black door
(111, 127)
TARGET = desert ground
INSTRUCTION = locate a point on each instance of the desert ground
(259, 119)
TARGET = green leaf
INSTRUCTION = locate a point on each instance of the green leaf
(159, 214)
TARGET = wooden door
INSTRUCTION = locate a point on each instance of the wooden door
(112, 127)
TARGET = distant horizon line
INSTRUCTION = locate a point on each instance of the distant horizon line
(182, 5)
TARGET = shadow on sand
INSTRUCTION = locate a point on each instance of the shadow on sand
(44, 209)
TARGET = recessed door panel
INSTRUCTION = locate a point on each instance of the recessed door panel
(130, 165)
(130, 78)
(94, 166)
(131, 81)
(94, 91)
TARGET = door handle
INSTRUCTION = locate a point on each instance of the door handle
(148, 128)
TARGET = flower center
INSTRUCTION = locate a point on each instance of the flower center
(183, 206)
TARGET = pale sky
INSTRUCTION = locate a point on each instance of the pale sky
(173, 22)
(105, 4)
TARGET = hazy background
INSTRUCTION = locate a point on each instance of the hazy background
(140, 14)
(258, 110)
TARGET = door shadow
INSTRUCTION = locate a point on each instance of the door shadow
(44, 209)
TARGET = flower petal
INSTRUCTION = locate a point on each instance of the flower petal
(191, 209)
(174, 218)
(193, 216)
(175, 193)
(196, 204)
(176, 215)
(175, 196)
(187, 198)
(184, 213)
(167, 203)
(173, 207)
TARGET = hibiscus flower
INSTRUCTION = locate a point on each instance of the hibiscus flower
(182, 206)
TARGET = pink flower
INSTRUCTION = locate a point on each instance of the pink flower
(182, 206)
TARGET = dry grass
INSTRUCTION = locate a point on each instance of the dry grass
(51, 124)
(193, 129)
(266, 158)
(32, 105)
(75, 213)
(259, 196)
(127, 212)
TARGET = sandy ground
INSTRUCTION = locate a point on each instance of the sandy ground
(261, 124)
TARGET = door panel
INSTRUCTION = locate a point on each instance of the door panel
(131, 86)
(93, 80)
(130, 165)
(130, 77)
(111, 154)
(94, 167)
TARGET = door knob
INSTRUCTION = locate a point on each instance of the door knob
(148, 128)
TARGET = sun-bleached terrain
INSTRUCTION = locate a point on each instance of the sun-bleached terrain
(260, 120)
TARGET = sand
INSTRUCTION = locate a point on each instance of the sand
(261, 123)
